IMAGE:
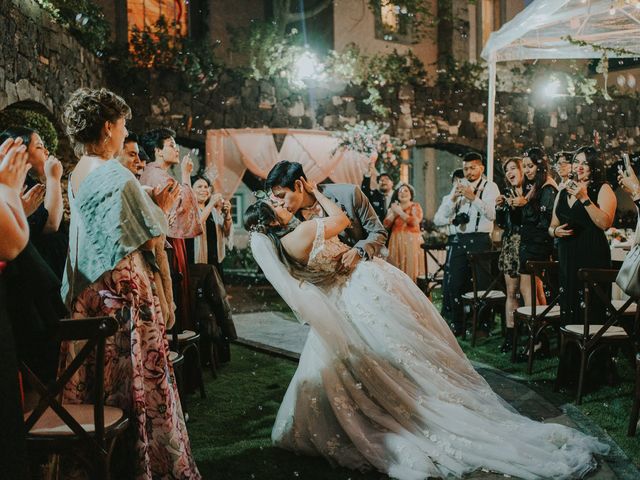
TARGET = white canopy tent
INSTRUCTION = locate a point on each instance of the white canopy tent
(540, 31)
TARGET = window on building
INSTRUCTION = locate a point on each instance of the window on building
(237, 210)
(392, 24)
(143, 13)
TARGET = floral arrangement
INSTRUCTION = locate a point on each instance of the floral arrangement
(368, 138)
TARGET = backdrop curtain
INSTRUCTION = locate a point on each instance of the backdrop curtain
(230, 153)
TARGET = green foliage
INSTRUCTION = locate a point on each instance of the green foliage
(270, 54)
(18, 117)
(84, 19)
(241, 259)
(158, 47)
(456, 76)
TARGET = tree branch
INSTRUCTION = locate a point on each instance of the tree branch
(296, 17)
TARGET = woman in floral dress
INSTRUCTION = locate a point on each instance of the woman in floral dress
(111, 270)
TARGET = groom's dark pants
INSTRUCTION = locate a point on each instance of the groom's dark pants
(457, 274)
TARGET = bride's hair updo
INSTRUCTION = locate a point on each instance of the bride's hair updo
(87, 110)
(261, 218)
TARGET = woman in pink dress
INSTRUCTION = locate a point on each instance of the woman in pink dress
(111, 270)
(403, 220)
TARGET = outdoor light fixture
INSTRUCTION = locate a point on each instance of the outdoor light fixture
(552, 87)
(307, 67)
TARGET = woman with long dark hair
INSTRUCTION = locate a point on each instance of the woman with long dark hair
(509, 218)
(540, 191)
(584, 209)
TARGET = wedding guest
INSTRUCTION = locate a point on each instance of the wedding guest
(540, 192)
(403, 221)
(378, 188)
(217, 226)
(509, 218)
(183, 218)
(562, 166)
(130, 155)
(15, 235)
(442, 220)
(43, 198)
(583, 210)
(114, 226)
(471, 209)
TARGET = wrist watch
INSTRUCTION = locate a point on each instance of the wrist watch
(586, 203)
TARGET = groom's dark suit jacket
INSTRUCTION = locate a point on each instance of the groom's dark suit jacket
(365, 231)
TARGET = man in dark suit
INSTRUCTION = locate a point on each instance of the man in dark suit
(366, 235)
(378, 188)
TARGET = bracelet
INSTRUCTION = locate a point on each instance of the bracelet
(554, 231)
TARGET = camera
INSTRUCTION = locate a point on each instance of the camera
(461, 218)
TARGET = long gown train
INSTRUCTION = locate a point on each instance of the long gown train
(383, 383)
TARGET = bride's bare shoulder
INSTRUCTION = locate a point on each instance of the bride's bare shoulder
(299, 242)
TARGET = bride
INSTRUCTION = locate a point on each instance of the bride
(382, 381)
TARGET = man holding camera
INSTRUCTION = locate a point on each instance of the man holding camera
(471, 210)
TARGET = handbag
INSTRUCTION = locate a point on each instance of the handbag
(628, 278)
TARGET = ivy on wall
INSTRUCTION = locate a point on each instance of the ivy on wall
(12, 117)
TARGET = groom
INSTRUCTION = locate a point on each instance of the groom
(366, 235)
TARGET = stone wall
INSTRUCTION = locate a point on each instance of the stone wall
(427, 114)
(41, 64)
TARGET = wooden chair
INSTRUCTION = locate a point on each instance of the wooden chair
(492, 298)
(86, 431)
(183, 341)
(591, 337)
(434, 279)
(536, 318)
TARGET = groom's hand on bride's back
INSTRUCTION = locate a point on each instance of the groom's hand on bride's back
(349, 260)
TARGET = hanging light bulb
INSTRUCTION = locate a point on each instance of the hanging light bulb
(612, 10)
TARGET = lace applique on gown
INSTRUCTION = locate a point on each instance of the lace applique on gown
(385, 384)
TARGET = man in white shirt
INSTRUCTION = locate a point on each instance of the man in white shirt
(470, 210)
(441, 219)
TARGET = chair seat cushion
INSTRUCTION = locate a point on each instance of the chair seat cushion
(493, 294)
(175, 358)
(612, 332)
(50, 424)
(554, 312)
(187, 335)
(619, 303)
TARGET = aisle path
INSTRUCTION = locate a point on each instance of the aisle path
(279, 333)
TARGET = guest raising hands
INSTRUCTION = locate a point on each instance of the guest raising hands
(403, 220)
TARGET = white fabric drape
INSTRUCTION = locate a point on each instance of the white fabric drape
(231, 152)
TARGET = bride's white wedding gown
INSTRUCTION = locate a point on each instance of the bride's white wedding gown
(383, 383)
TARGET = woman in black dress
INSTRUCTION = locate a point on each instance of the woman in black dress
(584, 209)
(509, 218)
(540, 191)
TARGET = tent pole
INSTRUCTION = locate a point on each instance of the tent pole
(491, 105)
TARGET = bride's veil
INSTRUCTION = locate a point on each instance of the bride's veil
(308, 303)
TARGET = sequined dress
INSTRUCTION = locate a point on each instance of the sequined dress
(402, 397)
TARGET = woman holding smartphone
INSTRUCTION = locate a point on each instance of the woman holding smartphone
(509, 218)
(584, 209)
